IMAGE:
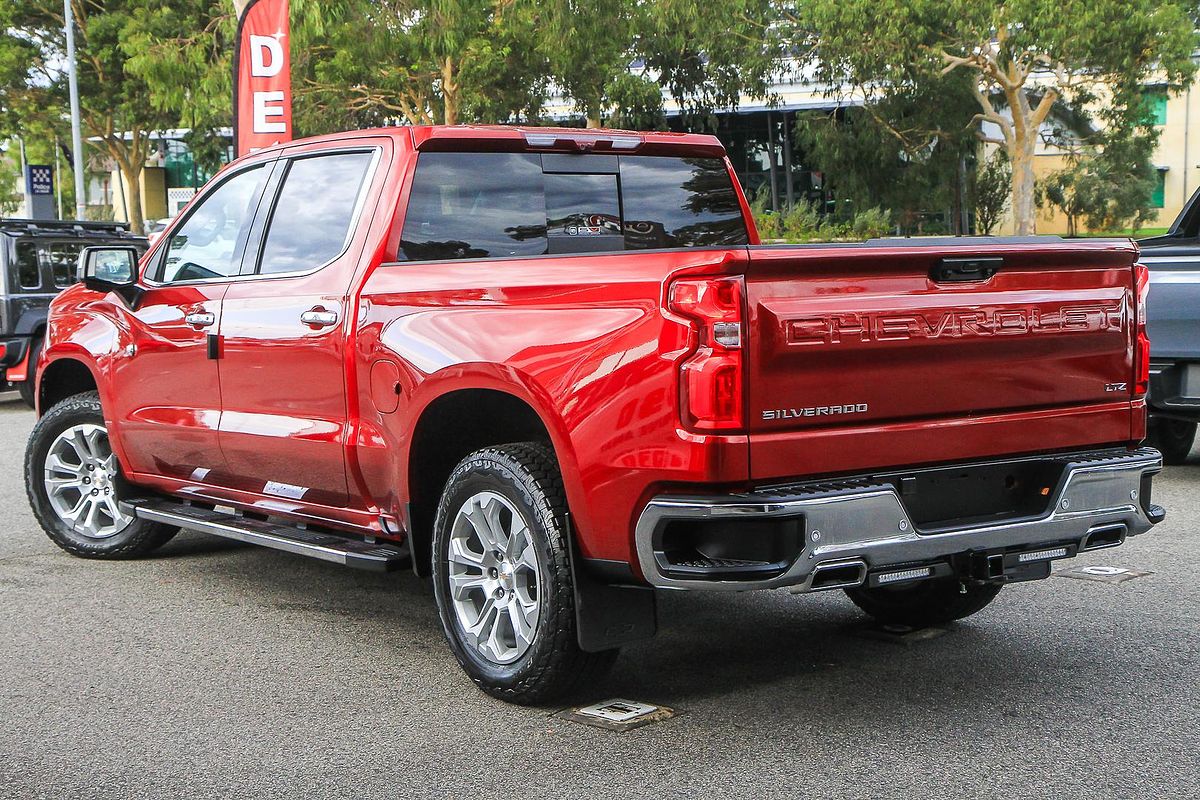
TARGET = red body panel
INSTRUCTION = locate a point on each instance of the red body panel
(586, 342)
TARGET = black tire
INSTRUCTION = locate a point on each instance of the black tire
(1171, 437)
(26, 387)
(919, 605)
(136, 538)
(553, 665)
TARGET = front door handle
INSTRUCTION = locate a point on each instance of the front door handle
(319, 318)
(200, 319)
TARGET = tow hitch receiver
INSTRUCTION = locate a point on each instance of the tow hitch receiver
(1014, 567)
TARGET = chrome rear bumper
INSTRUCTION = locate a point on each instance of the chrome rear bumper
(854, 528)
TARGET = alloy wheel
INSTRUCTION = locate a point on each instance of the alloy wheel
(494, 577)
(80, 477)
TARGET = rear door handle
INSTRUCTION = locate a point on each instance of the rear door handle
(319, 318)
(200, 319)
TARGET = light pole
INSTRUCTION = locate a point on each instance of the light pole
(76, 137)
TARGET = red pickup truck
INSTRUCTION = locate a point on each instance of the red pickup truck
(556, 370)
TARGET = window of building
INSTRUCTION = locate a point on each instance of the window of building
(314, 213)
(1156, 106)
(1158, 198)
(29, 273)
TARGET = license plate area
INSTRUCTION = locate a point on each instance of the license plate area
(977, 494)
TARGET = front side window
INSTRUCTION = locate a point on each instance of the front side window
(209, 242)
(314, 213)
(29, 274)
(498, 205)
(475, 205)
(64, 257)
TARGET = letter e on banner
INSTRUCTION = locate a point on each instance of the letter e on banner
(262, 80)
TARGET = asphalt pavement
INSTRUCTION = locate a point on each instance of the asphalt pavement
(214, 669)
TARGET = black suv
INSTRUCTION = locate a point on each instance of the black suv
(38, 258)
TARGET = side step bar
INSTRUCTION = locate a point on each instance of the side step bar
(378, 557)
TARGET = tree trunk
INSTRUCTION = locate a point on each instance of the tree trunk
(133, 196)
(1023, 207)
(450, 93)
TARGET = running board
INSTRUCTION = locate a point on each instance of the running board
(378, 557)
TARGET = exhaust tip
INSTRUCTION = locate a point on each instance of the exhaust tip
(838, 575)
(1107, 536)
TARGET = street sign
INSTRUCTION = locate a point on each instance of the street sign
(39, 179)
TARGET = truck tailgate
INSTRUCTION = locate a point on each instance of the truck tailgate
(960, 351)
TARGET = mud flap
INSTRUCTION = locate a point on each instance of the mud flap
(608, 615)
(20, 371)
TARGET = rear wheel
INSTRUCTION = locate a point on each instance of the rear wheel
(75, 485)
(502, 576)
(25, 388)
(1171, 437)
(919, 605)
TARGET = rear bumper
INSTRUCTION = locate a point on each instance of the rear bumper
(852, 531)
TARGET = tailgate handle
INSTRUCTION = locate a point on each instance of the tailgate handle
(950, 270)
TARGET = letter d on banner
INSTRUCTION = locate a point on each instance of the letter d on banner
(262, 77)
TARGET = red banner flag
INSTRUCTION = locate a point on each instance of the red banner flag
(262, 77)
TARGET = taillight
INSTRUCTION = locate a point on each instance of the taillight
(710, 385)
(1141, 353)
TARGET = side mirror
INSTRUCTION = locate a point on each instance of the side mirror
(111, 269)
(105, 269)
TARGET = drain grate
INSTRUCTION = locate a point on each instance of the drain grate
(1102, 574)
(617, 714)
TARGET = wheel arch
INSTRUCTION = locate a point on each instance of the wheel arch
(62, 376)
(456, 422)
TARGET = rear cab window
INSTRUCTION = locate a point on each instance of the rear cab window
(506, 205)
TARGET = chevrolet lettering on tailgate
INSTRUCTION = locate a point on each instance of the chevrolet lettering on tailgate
(955, 323)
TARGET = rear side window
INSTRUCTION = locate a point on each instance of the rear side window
(28, 271)
(475, 205)
(314, 213)
(64, 256)
(679, 202)
(498, 205)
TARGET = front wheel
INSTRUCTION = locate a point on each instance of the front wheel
(502, 576)
(919, 605)
(75, 485)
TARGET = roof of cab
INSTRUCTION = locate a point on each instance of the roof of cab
(519, 138)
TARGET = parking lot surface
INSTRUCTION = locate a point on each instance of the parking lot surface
(215, 669)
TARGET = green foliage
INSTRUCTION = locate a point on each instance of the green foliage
(992, 184)
(805, 223)
(1105, 188)
(904, 152)
(10, 172)
(887, 47)
(117, 103)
